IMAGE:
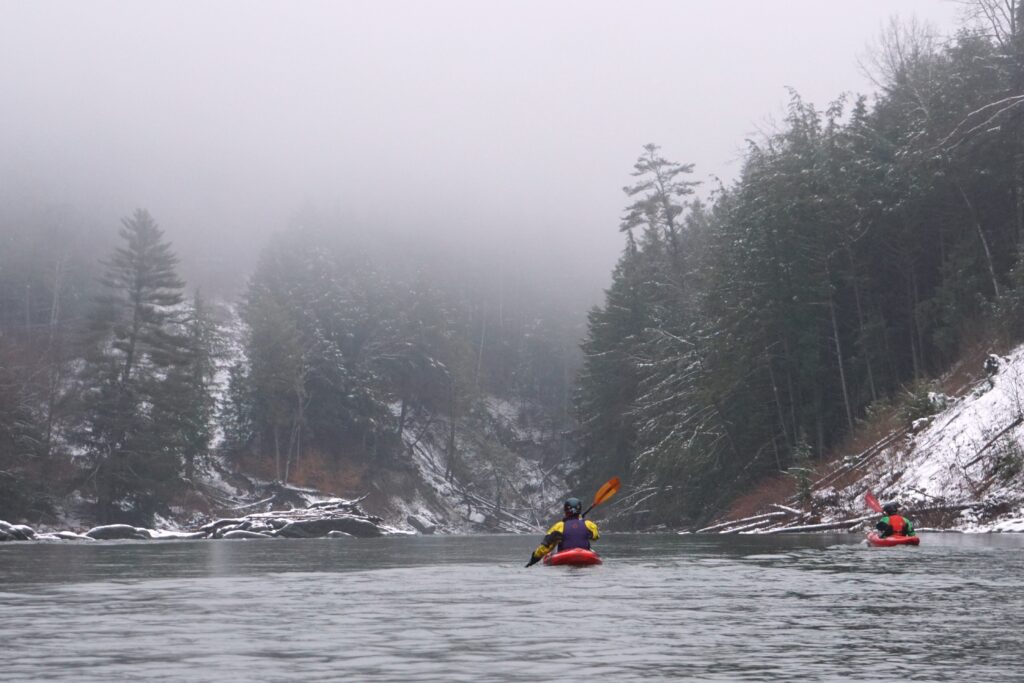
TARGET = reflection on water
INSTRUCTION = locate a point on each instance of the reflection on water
(815, 607)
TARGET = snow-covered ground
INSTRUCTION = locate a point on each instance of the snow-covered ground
(492, 486)
(970, 453)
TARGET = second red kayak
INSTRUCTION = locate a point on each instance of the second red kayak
(876, 540)
(576, 557)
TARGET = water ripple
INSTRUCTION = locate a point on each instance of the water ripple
(815, 608)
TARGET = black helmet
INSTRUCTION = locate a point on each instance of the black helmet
(890, 508)
(573, 506)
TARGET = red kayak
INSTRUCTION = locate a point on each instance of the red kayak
(876, 540)
(575, 557)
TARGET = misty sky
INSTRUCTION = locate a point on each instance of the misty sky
(505, 125)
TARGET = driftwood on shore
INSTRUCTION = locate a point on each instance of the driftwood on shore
(740, 522)
(828, 526)
(787, 520)
(981, 452)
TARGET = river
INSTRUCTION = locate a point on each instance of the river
(783, 607)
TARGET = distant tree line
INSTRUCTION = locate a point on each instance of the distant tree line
(117, 386)
(342, 355)
(863, 248)
(105, 371)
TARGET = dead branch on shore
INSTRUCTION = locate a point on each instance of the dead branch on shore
(851, 463)
(830, 526)
(744, 520)
(978, 456)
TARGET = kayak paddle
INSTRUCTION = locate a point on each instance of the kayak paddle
(872, 502)
(609, 489)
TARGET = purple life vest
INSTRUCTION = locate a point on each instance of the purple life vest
(575, 534)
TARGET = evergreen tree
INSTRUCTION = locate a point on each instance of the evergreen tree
(136, 344)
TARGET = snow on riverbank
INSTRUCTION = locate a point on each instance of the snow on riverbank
(971, 454)
(333, 518)
(961, 468)
(504, 475)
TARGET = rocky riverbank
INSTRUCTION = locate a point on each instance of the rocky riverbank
(336, 518)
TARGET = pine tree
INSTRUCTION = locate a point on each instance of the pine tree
(136, 343)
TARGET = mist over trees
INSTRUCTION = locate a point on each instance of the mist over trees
(120, 388)
(746, 328)
(864, 247)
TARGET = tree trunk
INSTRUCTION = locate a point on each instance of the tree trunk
(912, 306)
(789, 385)
(449, 466)
(480, 352)
(860, 325)
(839, 357)
(401, 418)
(53, 356)
(981, 236)
(277, 452)
(778, 403)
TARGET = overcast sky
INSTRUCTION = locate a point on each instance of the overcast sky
(508, 124)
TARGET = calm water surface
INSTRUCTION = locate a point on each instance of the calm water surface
(815, 607)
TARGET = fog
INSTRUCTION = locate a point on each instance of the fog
(503, 132)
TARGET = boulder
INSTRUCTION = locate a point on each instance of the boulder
(242, 533)
(72, 536)
(338, 534)
(213, 526)
(26, 531)
(118, 531)
(421, 524)
(15, 532)
(315, 528)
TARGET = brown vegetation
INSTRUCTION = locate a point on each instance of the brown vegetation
(327, 474)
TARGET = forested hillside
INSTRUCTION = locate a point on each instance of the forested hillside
(748, 328)
(865, 246)
(121, 393)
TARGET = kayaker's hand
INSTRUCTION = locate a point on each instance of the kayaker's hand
(533, 560)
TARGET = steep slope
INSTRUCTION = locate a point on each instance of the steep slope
(960, 468)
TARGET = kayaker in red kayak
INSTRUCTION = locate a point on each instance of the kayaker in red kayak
(571, 532)
(894, 524)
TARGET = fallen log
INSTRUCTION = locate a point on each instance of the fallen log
(846, 524)
(980, 454)
(734, 522)
(748, 527)
(858, 460)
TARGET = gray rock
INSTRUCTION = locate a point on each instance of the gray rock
(15, 532)
(242, 533)
(213, 526)
(4, 536)
(26, 531)
(315, 528)
(421, 524)
(117, 531)
(72, 536)
(180, 535)
(338, 534)
(221, 531)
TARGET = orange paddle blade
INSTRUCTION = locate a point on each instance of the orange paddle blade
(872, 502)
(610, 488)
